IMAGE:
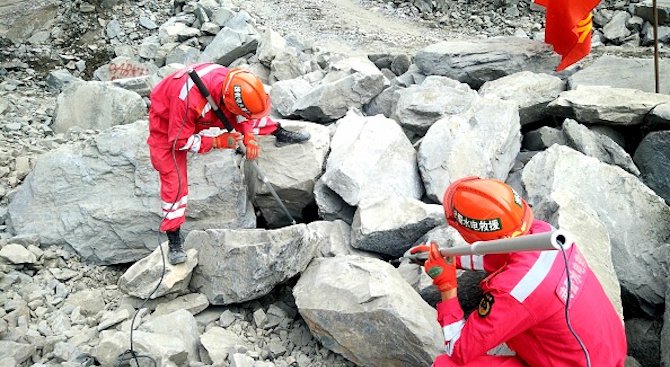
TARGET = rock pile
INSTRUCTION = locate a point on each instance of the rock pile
(79, 248)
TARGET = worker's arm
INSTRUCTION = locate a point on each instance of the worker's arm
(181, 131)
(498, 318)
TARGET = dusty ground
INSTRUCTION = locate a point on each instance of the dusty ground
(348, 25)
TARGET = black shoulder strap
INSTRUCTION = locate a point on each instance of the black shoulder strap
(203, 90)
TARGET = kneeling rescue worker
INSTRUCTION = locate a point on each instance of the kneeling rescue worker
(178, 114)
(525, 293)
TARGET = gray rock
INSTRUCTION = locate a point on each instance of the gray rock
(606, 105)
(96, 105)
(653, 158)
(338, 294)
(113, 29)
(183, 54)
(241, 265)
(167, 350)
(645, 10)
(59, 79)
(221, 16)
(401, 64)
(611, 132)
(270, 45)
(542, 138)
(620, 72)
(333, 238)
(412, 76)
(180, 324)
(220, 342)
(289, 63)
(631, 362)
(89, 301)
(350, 83)
(477, 61)
(644, 341)
(365, 147)
(330, 205)
(530, 91)
(141, 85)
(19, 19)
(110, 318)
(648, 35)
(229, 45)
(174, 31)
(384, 103)
(292, 170)
(285, 93)
(484, 141)
(191, 302)
(17, 254)
(659, 117)
(391, 226)
(555, 178)
(210, 28)
(90, 225)
(141, 279)
(615, 30)
(19, 352)
(598, 146)
(147, 23)
(419, 106)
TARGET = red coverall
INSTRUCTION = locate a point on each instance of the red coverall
(177, 115)
(523, 305)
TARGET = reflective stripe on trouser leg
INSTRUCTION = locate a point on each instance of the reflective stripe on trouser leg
(170, 190)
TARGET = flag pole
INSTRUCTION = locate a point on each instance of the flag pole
(655, 12)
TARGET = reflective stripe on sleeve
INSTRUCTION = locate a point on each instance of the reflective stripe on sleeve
(189, 83)
(452, 333)
(532, 279)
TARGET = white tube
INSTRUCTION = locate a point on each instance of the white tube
(553, 240)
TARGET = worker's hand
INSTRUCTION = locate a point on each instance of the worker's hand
(252, 146)
(226, 140)
(442, 271)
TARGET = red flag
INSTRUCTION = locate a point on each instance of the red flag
(568, 28)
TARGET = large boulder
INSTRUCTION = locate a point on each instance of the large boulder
(229, 45)
(606, 105)
(371, 157)
(333, 238)
(391, 226)
(348, 301)
(101, 197)
(141, 279)
(19, 19)
(240, 265)
(350, 83)
(477, 61)
(419, 106)
(97, 105)
(653, 158)
(644, 341)
(621, 72)
(636, 219)
(530, 91)
(292, 170)
(484, 141)
(597, 145)
(166, 350)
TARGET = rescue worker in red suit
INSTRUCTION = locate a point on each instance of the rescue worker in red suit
(177, 116)
(525, 293)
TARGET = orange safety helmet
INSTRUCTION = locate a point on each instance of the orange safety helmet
(486, 209)
(244, 94)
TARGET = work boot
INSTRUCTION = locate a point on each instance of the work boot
(285, 137)
(176, 254)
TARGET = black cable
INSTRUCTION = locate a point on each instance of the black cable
(130, 354)
(567, 306)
